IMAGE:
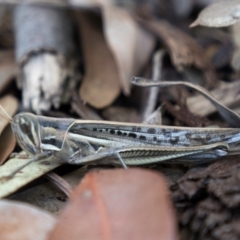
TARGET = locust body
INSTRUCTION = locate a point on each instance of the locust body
(84, 141)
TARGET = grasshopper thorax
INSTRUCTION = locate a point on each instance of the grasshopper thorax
(25, 127)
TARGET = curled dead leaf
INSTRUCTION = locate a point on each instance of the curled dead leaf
(115, 47)
(219, 14)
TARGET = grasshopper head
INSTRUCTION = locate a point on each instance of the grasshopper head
(25, 127)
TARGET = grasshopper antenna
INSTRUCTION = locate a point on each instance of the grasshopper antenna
(6, 116)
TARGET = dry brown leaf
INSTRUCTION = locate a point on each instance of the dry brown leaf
(101, 83)
(220, 14)
(118, 204)
(7, 145)
(23, 221)
(10, 104)
(184, 50)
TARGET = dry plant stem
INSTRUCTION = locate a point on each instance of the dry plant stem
(45, 52)
(59, 182)
(150, 103)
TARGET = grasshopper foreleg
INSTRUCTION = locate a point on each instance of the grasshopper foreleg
(101, 149)
(33, 159)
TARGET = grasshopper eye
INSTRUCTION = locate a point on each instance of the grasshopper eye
(25, 127)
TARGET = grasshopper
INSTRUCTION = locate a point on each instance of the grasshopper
(85, 141)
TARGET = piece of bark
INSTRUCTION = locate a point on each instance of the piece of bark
(208, 200)
(118, 204)
(23, 221)
(46, 55)
(226, 93)
(184, 50)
